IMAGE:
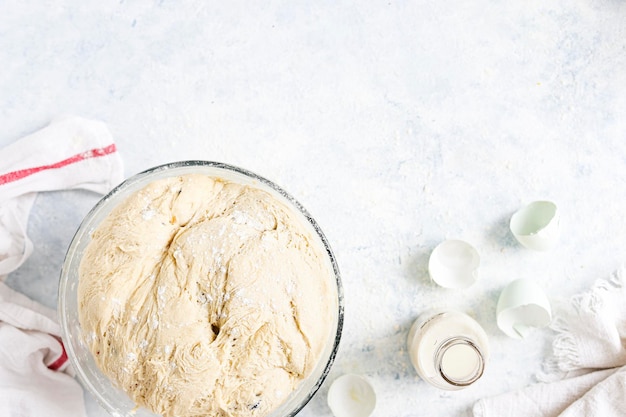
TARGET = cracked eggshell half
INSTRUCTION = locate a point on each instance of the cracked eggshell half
(537, 225)
(454, 264)
(522, 307)
(351, 396)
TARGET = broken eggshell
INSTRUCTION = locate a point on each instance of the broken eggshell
(536, 226)
(454, 264)
(351, 396)
(522, 307)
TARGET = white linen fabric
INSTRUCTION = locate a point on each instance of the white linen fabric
(69, 153)
(35, 376)
(589, 356)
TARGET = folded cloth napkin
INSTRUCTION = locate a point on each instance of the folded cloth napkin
(69, 153)
(589, 355)
(35, 376)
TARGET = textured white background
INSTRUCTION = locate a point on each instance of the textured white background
(397, 124)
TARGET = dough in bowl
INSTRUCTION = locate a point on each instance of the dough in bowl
(204, 297)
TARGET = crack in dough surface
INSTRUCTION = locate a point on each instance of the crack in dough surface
(203, 297)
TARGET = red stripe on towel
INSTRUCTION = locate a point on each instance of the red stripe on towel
(57, 364)
(22, 173)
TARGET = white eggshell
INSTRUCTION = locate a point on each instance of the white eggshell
(454, 264)
(522, 307)
(537, 225)
(351, 396)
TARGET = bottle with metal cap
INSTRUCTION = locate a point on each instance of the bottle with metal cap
(448, 349)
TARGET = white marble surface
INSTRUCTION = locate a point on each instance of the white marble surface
(397, 124)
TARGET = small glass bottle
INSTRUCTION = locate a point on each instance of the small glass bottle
(448, 349)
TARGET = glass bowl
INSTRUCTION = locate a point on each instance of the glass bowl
(114, 399)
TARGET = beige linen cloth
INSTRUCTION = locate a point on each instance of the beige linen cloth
(590, 356)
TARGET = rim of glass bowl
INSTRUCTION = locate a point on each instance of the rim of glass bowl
(138, 181)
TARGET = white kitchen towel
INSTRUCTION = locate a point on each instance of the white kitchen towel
(35, 376)
(590, 356)
(71, 152)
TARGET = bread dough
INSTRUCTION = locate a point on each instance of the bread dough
(203, 297)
